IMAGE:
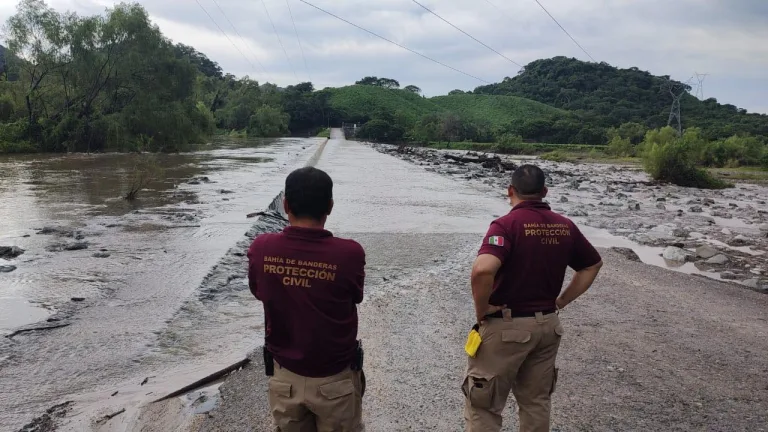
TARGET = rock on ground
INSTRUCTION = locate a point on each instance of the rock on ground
(706, 251)
(673, 253)
(10, 252)
(627, 253)
(718, 259)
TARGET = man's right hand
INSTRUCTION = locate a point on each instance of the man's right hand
(560, 303)
(491, 310)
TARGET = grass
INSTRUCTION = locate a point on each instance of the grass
(521, 148)
(237, 133)
(497, 110)
(324, 133)
(749, 174)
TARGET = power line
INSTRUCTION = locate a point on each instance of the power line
(498, 9)
(395, 43)
(279, 40)
(303, 57)
(255, 57)
(226, 35)
(565, 31)
(474, 38)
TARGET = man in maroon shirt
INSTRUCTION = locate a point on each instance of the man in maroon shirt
(516, 285)
(310, 283)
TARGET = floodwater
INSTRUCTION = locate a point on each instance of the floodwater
(155, 251)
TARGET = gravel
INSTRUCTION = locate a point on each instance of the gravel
(633, 357)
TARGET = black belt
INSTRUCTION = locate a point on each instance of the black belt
(500, 314)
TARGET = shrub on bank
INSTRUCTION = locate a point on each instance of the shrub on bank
(621, 147)
(17, 147)
(732, 152)
(554, 156)
(672, 159)
(324, 133)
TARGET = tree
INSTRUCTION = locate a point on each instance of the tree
(99, 82)
(456, 92)
(36, 40)
(268, 122)
(379, 82)
(413, 89)
(381, 130)
(205, 65)
(389, 83)
(371, 80)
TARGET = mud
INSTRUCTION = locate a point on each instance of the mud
(623, 202)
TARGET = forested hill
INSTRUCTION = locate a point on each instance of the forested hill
(609, 96)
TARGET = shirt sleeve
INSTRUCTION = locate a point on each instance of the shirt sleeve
(358, 278)
(254, 260)
(497, 242)
(583, 254)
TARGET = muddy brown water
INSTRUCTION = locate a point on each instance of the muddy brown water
(159, 247)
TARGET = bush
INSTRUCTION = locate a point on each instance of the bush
(732, 152)
(507, 139)
(621, 147)
(324, 133)
(17, 147)
(381, 130)
(673, 162)
(555, 156)
(237, 134)
(268, 122)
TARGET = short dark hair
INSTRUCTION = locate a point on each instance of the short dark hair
(528, 180)
(309, 192)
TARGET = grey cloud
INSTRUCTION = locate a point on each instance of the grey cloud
(723, 37)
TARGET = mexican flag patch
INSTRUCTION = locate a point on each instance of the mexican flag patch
(496, 240)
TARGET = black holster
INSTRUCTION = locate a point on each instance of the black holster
(357, 363)
(269, 362)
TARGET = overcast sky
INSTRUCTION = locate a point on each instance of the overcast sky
(725, 38)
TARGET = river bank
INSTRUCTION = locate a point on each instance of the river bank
(645, 349)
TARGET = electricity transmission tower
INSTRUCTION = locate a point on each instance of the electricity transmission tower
(677, 91)
(700, 88)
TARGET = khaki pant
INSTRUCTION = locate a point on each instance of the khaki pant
(518, 355)
(301, 404)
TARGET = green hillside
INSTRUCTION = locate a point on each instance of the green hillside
(360, 103)
(607, 96)
(498, 110)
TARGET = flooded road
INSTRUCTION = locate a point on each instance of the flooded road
(114, 272)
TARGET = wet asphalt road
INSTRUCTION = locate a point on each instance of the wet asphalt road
(645, 349)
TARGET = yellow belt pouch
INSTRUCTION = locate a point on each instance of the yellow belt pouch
(473, 341)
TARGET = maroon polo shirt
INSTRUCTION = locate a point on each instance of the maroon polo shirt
(309, 283)
(535, 245)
